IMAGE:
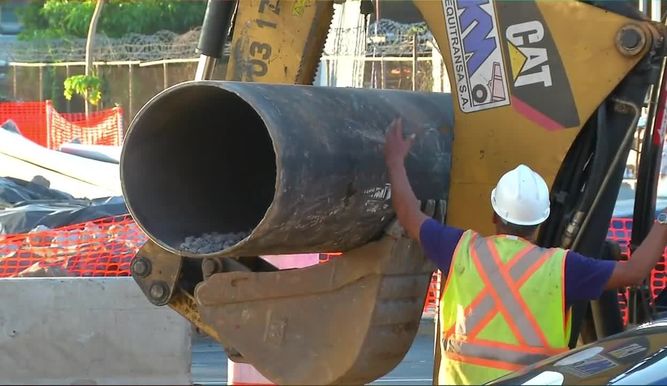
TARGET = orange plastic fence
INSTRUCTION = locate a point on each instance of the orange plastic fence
(620, 231)
(102, 247)
(105, 247)
(43, 124)
(30, 117)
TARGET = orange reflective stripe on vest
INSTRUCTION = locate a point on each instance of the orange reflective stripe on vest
(520, 268)
(506, 295)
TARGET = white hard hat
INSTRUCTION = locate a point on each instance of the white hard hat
(521, 197)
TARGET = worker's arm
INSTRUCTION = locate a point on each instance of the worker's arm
(638, 267)
(403, 198)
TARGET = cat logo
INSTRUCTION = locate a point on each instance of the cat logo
(539, 87)
(529, 62)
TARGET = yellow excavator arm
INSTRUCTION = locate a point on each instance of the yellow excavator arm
(278, 41)
(557, 85)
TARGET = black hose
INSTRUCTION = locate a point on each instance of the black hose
(215, 27)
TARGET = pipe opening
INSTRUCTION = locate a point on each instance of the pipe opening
(198, 161)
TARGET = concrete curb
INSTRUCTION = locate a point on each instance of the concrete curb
(89, 331)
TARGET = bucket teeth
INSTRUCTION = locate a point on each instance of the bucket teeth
(314, 48)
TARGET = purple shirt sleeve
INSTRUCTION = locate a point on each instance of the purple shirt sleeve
(439, 242)
(585, 278)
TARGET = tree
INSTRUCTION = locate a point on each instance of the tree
(87, 85)
(71, 19)
(90, 42)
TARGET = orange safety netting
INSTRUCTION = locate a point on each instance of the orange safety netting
(106, 246)
(30, 117)
(102, 247)
(620, 231)
(43, 124)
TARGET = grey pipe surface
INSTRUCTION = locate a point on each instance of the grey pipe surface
(214, 168)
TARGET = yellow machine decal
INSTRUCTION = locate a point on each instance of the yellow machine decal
(535, 120)
(476, 55)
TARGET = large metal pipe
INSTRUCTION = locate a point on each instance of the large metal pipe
(299, 168)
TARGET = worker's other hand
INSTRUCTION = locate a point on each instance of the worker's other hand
(396, 147)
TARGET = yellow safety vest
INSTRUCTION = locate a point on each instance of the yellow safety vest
(503, 307)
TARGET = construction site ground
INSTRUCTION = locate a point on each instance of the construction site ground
(209, 361)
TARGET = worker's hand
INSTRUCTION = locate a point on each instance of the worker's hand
(396, 147)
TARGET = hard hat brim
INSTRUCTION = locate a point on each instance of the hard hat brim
(509, 219)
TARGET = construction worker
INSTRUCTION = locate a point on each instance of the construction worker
(506, 302)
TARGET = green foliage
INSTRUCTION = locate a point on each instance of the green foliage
(89, 87)
(71, 18)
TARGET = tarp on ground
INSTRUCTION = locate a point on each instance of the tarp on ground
(29, 204)
(15, 190)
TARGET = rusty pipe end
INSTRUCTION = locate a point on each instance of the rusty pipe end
(198, 169)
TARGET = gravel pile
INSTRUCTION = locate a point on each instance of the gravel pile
(211, 242)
